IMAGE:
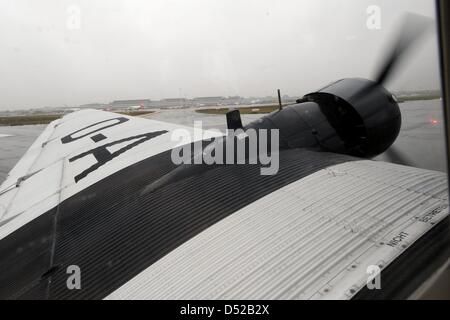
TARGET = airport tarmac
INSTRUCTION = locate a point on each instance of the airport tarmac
(421, 142)
(14, 142)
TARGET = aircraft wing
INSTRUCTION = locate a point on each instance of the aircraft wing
(99, 191)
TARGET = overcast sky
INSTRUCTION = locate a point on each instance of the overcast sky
(58, 52)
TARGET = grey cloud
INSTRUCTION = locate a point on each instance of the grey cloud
(155, 49)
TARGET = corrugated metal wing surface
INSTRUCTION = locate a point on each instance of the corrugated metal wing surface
(313, 239)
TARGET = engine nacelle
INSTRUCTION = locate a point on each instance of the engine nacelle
(351, 116)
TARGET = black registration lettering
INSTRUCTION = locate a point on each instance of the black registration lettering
(115, 121)
(102, 155)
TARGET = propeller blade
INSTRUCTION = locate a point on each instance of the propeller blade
(413, 27)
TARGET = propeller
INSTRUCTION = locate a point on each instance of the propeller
(413, 27)
(365, 115)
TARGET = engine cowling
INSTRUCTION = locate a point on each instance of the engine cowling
(351, 116)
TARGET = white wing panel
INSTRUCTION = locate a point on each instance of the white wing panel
(63, 160)
(312, 239)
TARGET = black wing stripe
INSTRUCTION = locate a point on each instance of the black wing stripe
(113, 231)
